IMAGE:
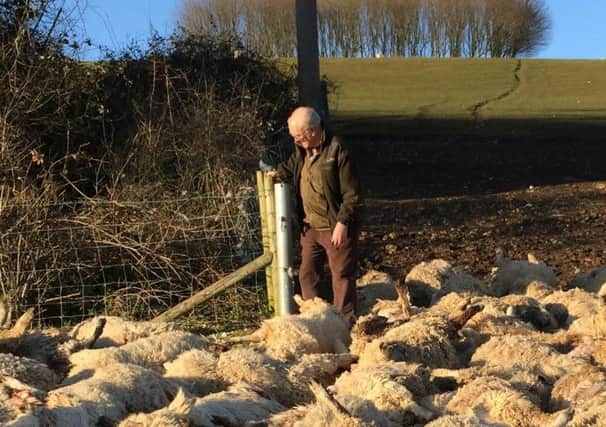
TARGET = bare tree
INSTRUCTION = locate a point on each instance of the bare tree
(363, 28)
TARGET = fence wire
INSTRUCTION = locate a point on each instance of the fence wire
(133, 259)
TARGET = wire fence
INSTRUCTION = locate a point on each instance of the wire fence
(133, 259)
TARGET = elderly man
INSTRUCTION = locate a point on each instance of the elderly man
(327, 195)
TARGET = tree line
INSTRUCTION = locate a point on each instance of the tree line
(373, 28)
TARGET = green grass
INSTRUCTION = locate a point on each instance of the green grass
(428, 95)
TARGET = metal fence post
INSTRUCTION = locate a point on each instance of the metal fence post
(284, 243)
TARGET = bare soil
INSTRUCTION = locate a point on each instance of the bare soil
(460, 202)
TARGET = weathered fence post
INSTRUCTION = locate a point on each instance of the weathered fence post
(270, 213)
(283, 257)
(262, 196)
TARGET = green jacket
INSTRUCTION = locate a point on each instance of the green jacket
(339, 178)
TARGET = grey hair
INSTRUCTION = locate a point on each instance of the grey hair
(309, 119)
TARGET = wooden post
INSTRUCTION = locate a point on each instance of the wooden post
(262, 196)
(217, 287)
(270, 211)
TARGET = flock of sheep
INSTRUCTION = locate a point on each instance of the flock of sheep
(440, 348)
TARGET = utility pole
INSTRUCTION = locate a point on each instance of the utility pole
(308, 65)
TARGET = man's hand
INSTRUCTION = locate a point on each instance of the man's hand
(339, 235)
(273, 173)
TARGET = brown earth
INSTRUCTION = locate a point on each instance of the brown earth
(460, 200)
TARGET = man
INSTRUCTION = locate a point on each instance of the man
(327, 196)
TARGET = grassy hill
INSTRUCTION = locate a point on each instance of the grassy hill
(486, 96)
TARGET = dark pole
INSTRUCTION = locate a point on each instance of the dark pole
(310, 89)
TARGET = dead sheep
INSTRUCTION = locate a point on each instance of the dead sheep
(321, 368)
(324, 411)
(577, 303)
(589, 407)
(494, 400)
(514, 276)
(118, 331)
(590, 281)
(237, 406)
(426, 338)
(319, 328)
(528, 380)
(389, 388)
(567, 388)
(49, 347)
(373, 286)
(109, 395)
(151, 352)
(426, 279)
(21, 405)
(196, 372)
(456, 421)
(285, 383)
(253, 367)
(28, 371)
(510, 351)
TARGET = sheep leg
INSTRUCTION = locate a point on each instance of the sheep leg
(9, 340)
(322, 395)
(403, 298)
(254, 337)
(459, 319)
(75, 345)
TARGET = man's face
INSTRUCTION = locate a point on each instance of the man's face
(307, 139)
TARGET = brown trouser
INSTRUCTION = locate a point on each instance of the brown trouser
(316, 247)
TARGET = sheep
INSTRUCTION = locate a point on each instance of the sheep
(285, 383)
(384, 315)
(456, 421)
(373, 286)
(240, 404)
(321, 368)
(427, 338)
(325, 411)
(28, 371)
(577, 302)
(514, 276)
(494, 400)
(389, 388)
(110, 394)
(508, 352)
(538, 290)
(20, 404)
(150, 352)
(589, 411)
(54, 348)
(567, 388)
(196, 371)
(590, 281)
(118, 331)
(253, 367)
(425, 279)
(530, 381)
(319, 328)
(395, 310)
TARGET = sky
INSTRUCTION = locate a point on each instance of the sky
(578, 26)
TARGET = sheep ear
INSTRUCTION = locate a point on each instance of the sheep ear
(181, 404)
(298, 299)
(532, 259)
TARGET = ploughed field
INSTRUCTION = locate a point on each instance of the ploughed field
(461, 201)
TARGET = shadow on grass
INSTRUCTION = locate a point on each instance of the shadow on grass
(399, 157)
